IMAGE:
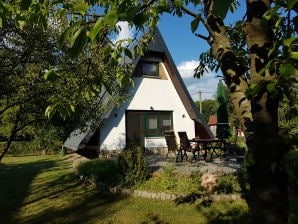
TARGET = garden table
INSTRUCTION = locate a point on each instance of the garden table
(209, 146)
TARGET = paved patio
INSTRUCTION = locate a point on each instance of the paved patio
(156, 162)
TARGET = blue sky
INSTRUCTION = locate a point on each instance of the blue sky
(185, 49)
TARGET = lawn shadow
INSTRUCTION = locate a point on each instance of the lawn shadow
(15, 185)
(226, 212)
(96, 205)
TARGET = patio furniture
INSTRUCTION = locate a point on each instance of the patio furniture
(173, 146)
(186, 146)
(210, 146)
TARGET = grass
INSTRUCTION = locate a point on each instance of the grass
(43, 189)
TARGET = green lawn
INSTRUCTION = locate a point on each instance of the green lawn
(43, 189)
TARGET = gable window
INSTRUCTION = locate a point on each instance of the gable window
(150, 68)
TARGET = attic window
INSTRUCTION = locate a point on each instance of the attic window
(150, 68)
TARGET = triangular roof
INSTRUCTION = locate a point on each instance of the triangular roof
(158, 44)
(79, 138)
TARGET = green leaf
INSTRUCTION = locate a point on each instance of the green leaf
(271, 87)
(128, 53)
(64, 36)
(194, 24)
(291, 3)
(50, 111)
(78, 42)
(288, 42)
(221, 7)
(95, 29)
(287, 70)
(111, 18)
(50, 75)
(140, 19)
(81, 8)
(178, 3)
(131, 13)
(25, 4)
(294, 55)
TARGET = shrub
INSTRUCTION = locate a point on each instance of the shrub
(132, 165)
(228, 184)
(170, 182)
(105, 171)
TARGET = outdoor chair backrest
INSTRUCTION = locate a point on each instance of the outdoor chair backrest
(171, 142)
(184, 141)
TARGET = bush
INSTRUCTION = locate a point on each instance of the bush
(228, 184)
(132, 165)
(175, 183)
(105, 171)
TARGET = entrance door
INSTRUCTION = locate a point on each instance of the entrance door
(134, 128)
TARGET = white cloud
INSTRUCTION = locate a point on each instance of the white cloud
(207, 84)
(125, 32)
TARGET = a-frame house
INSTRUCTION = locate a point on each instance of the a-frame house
(159, 101)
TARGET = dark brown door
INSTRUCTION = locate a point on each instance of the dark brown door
(135, 128)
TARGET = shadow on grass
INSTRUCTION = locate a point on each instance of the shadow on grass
(15, 181)
(96, 206)
(226, 212)
(154, 219)
(55, 196)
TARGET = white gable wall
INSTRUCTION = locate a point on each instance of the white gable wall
(146, 94)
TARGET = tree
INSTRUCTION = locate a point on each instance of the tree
(35, 73)
(209, 107)
(223, 130)
(257, 57)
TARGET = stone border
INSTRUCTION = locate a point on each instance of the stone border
(162, 195)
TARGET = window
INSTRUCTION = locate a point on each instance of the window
(157, 122)
(150, 68)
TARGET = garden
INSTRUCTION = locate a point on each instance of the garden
(47, 189)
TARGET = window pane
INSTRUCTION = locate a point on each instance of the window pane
(152, 125)
(165, 123)
(149, 68)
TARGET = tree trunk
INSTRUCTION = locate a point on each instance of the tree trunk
(11, 136)
(268, 199)
(268, 187)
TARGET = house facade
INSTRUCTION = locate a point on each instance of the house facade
(158, 101)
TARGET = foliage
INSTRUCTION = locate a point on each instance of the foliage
(35, 73)
(174, 183)
(228, 184)
(288, 123)
(132, 165)
(238, 145)
(209, 107)
(105, 171)
(223, 130)
(23, 148)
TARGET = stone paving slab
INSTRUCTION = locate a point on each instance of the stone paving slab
(157, 162)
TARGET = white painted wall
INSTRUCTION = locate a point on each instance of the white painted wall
(147, 92)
